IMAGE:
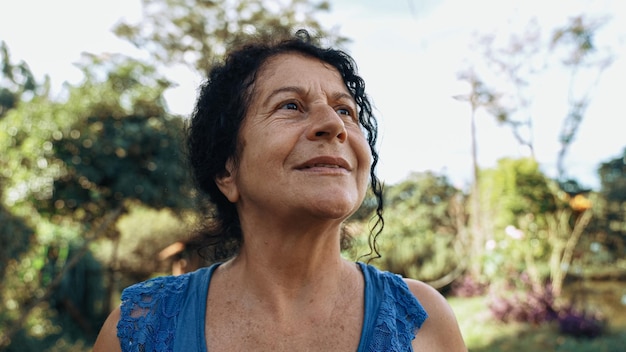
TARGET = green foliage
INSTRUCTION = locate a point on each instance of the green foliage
(16, 80)
(70, 312)
(27, 163)
(533, 226)
(29, 241)
(107, 143)
(198, 33)
(122, 145)
(516, 188)
(113, 160)
(420, 231)
(613, 179)
(515, 198)
(143, 233)
(110, 143)
(613, 190)
(15, 236)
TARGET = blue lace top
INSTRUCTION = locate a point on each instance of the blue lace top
(168, 313)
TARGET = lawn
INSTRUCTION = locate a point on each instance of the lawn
(483, 334)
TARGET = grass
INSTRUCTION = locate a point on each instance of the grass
(484, 334)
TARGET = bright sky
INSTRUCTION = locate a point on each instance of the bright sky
(409, 53)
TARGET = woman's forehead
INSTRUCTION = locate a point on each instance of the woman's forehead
(293, 68)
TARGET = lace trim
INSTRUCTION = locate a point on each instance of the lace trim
(148, 314)
(149, 309)
(400, 316)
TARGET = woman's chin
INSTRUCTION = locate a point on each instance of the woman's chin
(335, 210)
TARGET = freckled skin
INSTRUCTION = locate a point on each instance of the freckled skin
(301, 110)
(303, 169)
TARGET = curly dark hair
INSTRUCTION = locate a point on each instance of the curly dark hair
(213, 130)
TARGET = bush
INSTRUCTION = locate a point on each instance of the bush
(533, 306)
(468, 286)
(537, 305)
(580, 323)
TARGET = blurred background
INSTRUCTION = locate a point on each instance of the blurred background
(502, 154)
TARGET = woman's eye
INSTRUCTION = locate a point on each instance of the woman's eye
(344, 112)
(349, 114)
(290, 106)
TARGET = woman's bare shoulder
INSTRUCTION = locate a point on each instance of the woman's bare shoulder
(107, 340)
(440, 332)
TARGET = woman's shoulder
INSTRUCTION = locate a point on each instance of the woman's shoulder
(398, 300)
(145, 297)
(408, 306)
(441, 331)
(149, 310)
(395, 311)
(154, 288)
(140, 312)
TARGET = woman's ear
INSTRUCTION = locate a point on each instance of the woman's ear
(227, 184)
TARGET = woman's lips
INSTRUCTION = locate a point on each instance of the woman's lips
(325, 162)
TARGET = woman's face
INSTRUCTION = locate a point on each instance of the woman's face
(302, 151)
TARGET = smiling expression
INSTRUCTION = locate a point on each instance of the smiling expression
(302, 150)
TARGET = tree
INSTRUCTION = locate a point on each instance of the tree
(15, 236)
(516, 67)
(420, 236)
(32, 272)
(70, 169)
(577, 40)
(197, 32)
(76, 167)
(124, 146)
(516, 197)
(505, 86)
(512, 67)
(535, 226)
(16, 81)
(613, 191)
(480, 96)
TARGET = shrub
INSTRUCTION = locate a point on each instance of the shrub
(537, 305)
(468, 286)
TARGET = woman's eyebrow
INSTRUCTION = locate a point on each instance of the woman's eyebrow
(343, 95)
(286, 89)
(301, 91)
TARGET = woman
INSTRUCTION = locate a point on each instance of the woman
(282, 140)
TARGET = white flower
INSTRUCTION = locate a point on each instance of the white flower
(514, 232)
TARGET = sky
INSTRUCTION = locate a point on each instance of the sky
(409, 52)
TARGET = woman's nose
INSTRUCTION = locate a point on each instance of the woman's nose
(326, 124)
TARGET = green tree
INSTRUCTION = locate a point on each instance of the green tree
(197, 33)
(15, 235)
(16, 81)
(504, 86)
(420, 235)
(123, 146)
(75, 168)
(613, 191)
(516, 196)
(72, 168)
(479, 97)
(30, 319)
(533, 225)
